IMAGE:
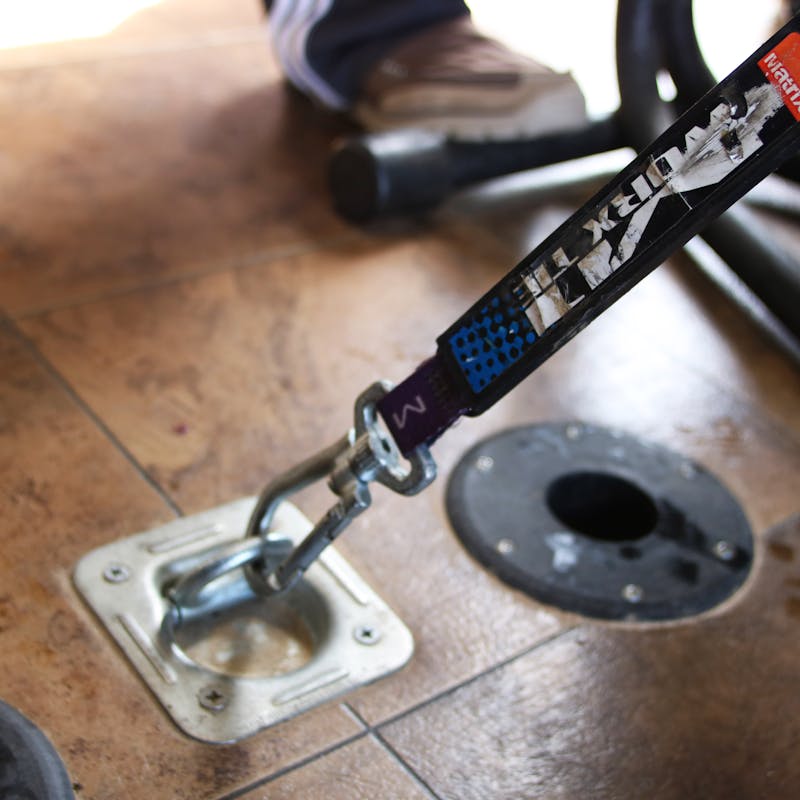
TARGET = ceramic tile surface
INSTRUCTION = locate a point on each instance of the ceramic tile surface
(682, 707)
(183, 316)
(66, 489)
(361, 770)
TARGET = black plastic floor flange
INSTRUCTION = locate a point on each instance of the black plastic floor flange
(30, 768)
(598, 522)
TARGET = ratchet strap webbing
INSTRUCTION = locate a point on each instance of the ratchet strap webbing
(731, 139)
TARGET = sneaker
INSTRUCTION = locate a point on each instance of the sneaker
(453, 80)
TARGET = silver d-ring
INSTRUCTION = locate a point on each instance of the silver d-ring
(187, 591)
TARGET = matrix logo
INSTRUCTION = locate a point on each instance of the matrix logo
(782, 68)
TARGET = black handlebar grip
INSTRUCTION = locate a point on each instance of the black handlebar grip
(414, 170)
(389, 173)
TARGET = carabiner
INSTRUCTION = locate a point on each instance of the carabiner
(367, 453)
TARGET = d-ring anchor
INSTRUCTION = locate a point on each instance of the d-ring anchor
(194, 590)
(185, 581)
(192, 627)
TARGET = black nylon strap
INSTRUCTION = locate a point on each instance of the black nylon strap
(729, 141)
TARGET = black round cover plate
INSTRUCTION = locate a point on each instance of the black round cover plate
(596, 521)
(30, 768)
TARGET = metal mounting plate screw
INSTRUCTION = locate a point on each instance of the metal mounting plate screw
(366, 634)
(212, 698)
(633, 593)
(116, 573)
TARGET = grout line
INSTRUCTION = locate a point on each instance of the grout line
(62, 382)
(258, 258)
(404, 765)
(303, 762)
(355, 716)
(374, 732)
(451, 690)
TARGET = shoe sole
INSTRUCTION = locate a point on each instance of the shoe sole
(555, 113)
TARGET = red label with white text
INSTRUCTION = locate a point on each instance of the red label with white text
(782, 67)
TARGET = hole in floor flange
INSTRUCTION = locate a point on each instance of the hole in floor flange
(602, 506)
(603, 524)
(258, 638)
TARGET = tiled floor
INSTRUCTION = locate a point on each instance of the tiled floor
(182, 316)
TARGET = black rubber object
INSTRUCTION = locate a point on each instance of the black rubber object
(599, 522)
(408, 170)
(30, 768)
(737, 236)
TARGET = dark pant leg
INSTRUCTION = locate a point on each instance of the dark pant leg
(352, 35)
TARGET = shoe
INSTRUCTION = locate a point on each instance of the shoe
(454, 80)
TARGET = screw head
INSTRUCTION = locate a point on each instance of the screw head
(724, 551)
(366, 634)
(484, 464)
(505, 547)
(633, 593)
(116, 573)
(212, 698)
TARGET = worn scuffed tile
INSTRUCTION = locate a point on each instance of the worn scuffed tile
(66, 489)
(700, 708)
(215, 384)
(362, 770)
(135, 170)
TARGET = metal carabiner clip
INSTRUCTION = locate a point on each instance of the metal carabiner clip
(366, 453)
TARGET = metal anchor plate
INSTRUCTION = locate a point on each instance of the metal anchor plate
(243, 662)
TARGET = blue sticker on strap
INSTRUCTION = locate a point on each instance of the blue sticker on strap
(495, 338)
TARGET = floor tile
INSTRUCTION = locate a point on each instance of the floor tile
(219, 382)
(195, 319)
(709, 332)
(133, 171)
(702, 708)
(360, 771)
(66, 489)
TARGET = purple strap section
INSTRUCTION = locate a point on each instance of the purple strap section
(421, 408)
